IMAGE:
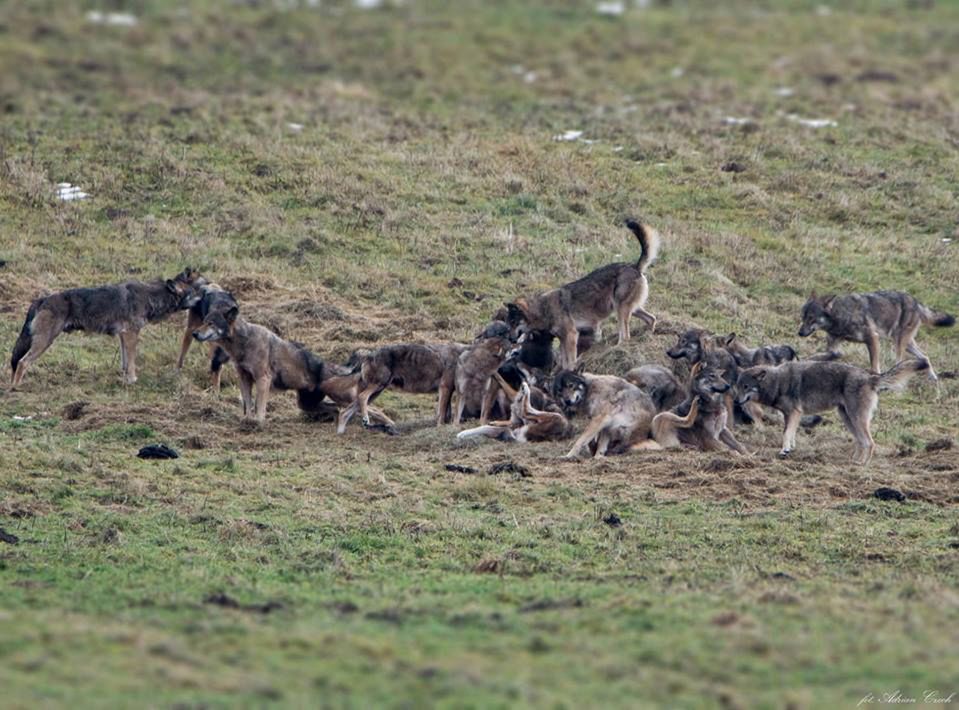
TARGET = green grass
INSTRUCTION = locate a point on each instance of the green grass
(424, 189)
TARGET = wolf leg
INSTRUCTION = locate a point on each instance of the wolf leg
(789, 431)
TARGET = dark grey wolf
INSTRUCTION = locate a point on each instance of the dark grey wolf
(620, 414)
(118, 309)
(704, 405)
(212, 299)
(262, 360)
(698, 345)
(866, 317)
(659, 383)
(583, 304)
(475, 367)
(526, 422)
(410, 367)
(809, 387)
(750, 357)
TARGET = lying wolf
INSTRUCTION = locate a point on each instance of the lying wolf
(809, 387)
(583, 304)
(262, 360)
(120, 309)
(866, 317)
(526, 422)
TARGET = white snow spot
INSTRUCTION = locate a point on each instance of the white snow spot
(946, 240)
(568, 136)
(295, 127)
(784, 91)
(368, 4)
(529, 77)
(68, 192)
(823, 10)
(611, 8)
(588, 141)
(22, 419)
(677, 72)
(114, 19)
(812, 122)
(662, 165)
(736, 121)
(618, 149)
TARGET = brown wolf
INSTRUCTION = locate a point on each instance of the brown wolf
(410, 367)
(620, 414)
(526, 423)
(659, 383)
(809, 387)
(262, 359)
(866, 317)
(705, 406)
(581, 305)
(212, 298)
(341, 385)
(475, 392)
(119, 309)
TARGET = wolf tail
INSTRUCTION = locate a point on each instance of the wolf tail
(310, 400)
(896, 377)
(936, 318)
(25, 339)
(648, 243)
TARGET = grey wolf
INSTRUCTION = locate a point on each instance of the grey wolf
(750, 357)
(262, 360)
(119, 309)
(620, 414)
(697, 345)
(659, 383)
(341, 384)
(583, 304)
(866, 317)
(701, 420)
(526, 422)
(410, 367)
(810, 387)
(212, 298)
(475, 367)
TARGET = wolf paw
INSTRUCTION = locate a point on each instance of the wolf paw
(784, 453)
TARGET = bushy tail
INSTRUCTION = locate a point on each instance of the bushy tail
(25, 339)
(896, 378)
(311, 398)
(936, 318)
(648, 243)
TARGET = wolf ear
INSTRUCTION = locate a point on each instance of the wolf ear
(760, 375)
(695, 370)
(827, 301)
(171, 285)
(231, 314)
(729, 339)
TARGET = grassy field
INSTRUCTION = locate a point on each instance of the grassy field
(362, 176)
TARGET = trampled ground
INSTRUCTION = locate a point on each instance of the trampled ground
(363, 176)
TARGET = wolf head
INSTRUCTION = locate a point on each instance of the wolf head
(188, 287)
(217, 325)
(708, 381)
(569, 388)
(749, 383)
(690, 345)
(815, 315)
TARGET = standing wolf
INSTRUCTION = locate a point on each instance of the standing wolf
(809, 387)
(865, 317)
(119, 309)
(581, 305)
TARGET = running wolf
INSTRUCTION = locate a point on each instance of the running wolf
(810, 387)
(866, 317)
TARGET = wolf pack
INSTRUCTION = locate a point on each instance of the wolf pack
(512, 380)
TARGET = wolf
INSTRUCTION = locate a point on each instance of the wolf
(409, 367)
(583, 304)
(750, 357)
(119, 309)
(620, 414)
(867, 317)
(262, 360)
(701, 420)
(810, 387)
(659, 383)
(697, 345)
(212, 299)
(474, 391)
(526, 422)
(340, 385)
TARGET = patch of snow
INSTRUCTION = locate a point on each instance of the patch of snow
(295, 127)
(367, 4)
(823, 10)
(114, 19)
(611, 8)
(618, 149)
(812, 122)
(677, 72)
(568, 136)
(68, 192)
(784, 91)
(736, 121)
(22, 419)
